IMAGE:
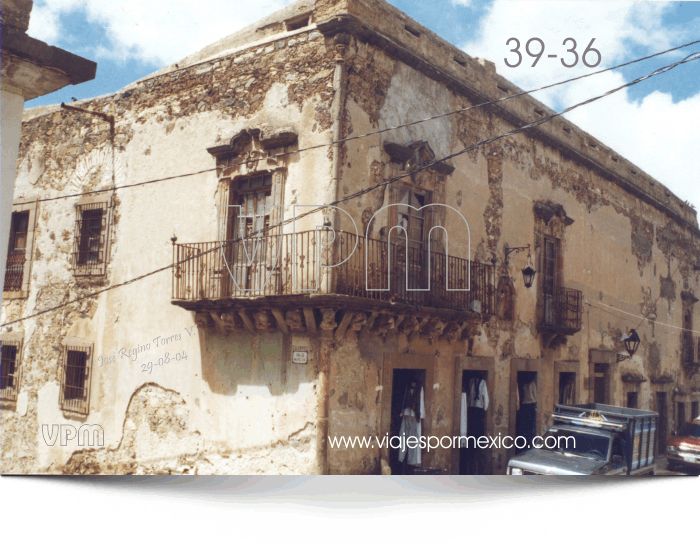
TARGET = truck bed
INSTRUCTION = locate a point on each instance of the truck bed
(638, 426)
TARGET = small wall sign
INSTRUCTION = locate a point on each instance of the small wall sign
(302, 350)
(300, 357)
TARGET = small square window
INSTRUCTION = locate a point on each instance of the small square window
(75, 379)
(298, 23)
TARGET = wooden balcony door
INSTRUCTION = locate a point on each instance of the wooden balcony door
(411, 257)
(687, 337)
(549, 287)
(248, 257)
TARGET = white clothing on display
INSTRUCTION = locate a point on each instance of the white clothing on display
(463, 421)
(478, 394)
(529, 393)
(411, 427)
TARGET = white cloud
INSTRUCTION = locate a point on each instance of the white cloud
(461, 2)
(154, 31)
(658, 135)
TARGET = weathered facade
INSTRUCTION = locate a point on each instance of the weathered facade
(245, 356)
(30, 69)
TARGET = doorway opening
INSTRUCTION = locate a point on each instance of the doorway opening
(632, 400)
(526, 409)
(681, 415)
(662, 409)
(694, 410)
(474, 404)
(407, 414)
(567, 388)
(600, 383)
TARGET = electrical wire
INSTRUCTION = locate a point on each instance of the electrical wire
(372, 133)
(689, 58)
(638, 316)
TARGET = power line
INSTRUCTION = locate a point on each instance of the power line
(689, 58)
(372, 133)
(638, 316)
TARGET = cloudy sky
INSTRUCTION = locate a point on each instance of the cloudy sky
(655, 124)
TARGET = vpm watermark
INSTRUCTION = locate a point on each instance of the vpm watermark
(256, 238)
(67, 432)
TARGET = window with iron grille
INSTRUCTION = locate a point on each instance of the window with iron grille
(19, 250)
(75, 379)
(14, 270)
(9, 369)
(91, 239)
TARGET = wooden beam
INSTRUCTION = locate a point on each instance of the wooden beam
(310, 320)
(397, 322)
(280, 320)
(424, 321)
(247, 321)
(344, 323)
(219, 324)
(370, 322)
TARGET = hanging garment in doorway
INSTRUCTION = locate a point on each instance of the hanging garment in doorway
(478, 403)
(478, 394)
(477, 397)
(463, 421)
(567, 393)
(412, 413)
(527, 415)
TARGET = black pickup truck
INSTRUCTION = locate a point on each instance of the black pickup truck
(593, 439)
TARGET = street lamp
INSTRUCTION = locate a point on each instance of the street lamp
(631, 341)
(528, 271)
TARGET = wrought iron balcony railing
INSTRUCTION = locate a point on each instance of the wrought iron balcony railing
(295, 264)
(563, 312)
(690, 349)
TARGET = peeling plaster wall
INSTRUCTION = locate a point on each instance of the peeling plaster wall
(619, 251)
(230, 407)
(237, 404)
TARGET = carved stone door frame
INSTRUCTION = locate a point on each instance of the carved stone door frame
(523, 365)
(472, 363)
(406, 361)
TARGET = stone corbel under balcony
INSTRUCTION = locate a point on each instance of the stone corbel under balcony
(329, 320)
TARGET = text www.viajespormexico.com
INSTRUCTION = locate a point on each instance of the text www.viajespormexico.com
(432, 442)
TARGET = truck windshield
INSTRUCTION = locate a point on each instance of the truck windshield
(577, 443)
(690, 429)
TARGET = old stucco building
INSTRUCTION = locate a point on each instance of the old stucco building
(246, 363)
(30, 69)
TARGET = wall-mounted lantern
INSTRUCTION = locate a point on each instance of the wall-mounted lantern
(528, 271)
(631, 341)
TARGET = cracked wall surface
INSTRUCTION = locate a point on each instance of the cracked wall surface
(164, 125)
(238, 404)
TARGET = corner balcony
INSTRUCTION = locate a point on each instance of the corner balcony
(690, 351)
(562, 314)
(288, 282)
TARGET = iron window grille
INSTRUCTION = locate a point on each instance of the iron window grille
(75, 379)
(91, 238)
(14, 269)
(9, 369)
